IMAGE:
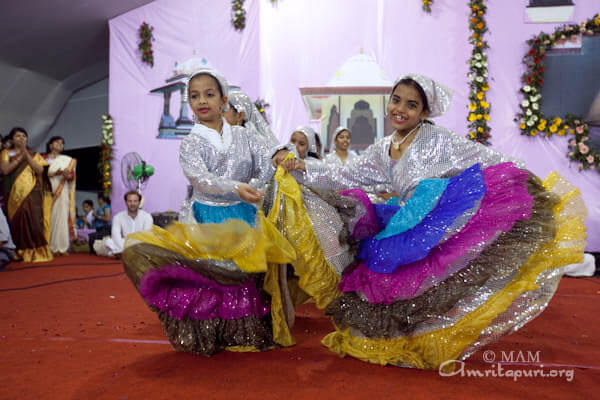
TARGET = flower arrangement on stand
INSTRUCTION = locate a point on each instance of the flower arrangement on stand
(145, 44)
(579, 150)
(427, 5)
(262, 106)
(238, 15)
(106, 143)
(479, 108)
(531, 120)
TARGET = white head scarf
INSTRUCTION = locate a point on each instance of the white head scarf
(253, 119)
(438, 96)
(211, 72)
(339, 130)
(310, 136)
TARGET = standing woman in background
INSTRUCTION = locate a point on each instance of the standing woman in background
(339, 152)
(62, 178)
(28, 197)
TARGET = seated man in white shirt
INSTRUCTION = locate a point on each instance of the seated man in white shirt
(125, 223)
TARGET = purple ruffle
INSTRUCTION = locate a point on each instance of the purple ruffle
(505, 202)
(183, 293)
(367, 225)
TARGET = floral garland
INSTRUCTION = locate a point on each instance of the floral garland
(262, 105)
(238, 15)
(579, 151)
(479, 108)
(531, 120)
(145, 45)
(106, 154)
(427, 5)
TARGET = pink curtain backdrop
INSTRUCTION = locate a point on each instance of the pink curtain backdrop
(298, 43)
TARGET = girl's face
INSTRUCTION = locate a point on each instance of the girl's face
(405, 109)
(299, 139)
(233, 117)
(19, 139)
(57, 146)
(343, 140)
(101, 201)
(205, 99)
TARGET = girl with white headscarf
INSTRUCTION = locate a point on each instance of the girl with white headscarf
(214, 280)
(305, 139)
(316, 223)
(243, 111)
(339, 151)
(470, 248)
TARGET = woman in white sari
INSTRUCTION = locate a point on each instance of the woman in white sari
(62, 178)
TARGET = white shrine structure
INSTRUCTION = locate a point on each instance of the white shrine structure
(356, 98)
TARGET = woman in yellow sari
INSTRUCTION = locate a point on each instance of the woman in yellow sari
(28, 198)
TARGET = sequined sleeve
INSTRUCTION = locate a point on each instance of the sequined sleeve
(459, 153)
(263, 167)
(366, 170)
(211, 186)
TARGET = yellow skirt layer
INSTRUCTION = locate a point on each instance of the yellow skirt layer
(317, 277)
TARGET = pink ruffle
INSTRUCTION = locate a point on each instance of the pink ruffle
(183, 293)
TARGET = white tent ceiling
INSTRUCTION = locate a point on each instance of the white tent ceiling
(48, 49)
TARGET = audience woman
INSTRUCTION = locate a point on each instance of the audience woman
(29, 198)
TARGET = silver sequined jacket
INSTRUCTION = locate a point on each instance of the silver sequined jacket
(214, 175)
(435, 152)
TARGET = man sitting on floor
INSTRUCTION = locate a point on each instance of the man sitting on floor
(125, 223)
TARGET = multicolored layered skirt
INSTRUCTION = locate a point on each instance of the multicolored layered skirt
(462, 262)
(218, 284)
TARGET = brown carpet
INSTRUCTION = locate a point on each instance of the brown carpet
(77, 329)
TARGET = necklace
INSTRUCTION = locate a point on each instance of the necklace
(397, 144)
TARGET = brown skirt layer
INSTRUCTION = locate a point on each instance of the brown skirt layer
(208, 337)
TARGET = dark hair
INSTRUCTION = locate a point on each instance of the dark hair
(415, 85)
(237, 112)
(133, 192)
(104, 197)
(52, 140)
(340, 132)
(207, 74)
(89, 203)
(16, 129)
(318, 141)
